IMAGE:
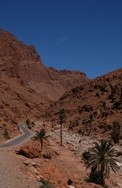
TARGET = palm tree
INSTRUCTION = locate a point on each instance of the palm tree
(40, 135)
(62, 116)
(102, 159)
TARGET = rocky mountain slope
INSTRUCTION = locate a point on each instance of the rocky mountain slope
(22, 62)
(93, 107)
(26, 84)
(30, 89)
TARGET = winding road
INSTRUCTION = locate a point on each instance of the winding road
(26, 135)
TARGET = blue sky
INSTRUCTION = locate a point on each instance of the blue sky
(83, 35)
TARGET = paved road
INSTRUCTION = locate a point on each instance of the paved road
(26, 134)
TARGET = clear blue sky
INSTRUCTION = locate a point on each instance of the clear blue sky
(81, 35)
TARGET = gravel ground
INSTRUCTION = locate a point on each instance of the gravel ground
(78, 142)
(12, 174)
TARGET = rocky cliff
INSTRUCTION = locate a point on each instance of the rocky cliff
(22, 62)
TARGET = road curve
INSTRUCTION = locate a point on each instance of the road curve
(26, 135)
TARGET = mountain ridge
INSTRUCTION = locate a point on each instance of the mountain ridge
(92, 107)
(23, 62)
(26, 85)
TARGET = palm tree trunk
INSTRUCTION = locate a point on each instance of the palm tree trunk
(41, 142)
(102, 174)
(61, 134)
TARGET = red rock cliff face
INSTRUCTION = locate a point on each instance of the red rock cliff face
(22, 62)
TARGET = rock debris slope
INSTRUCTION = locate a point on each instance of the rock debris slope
(92, 108)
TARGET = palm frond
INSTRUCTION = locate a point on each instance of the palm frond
(102, 159)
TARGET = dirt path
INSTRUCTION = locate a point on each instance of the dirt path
(69, 156)
(69, 162)
(11, 172)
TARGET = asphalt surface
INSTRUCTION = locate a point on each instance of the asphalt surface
(26, 134)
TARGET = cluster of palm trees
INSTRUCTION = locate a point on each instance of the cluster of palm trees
(100, 159)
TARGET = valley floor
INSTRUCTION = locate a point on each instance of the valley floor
(16, 171)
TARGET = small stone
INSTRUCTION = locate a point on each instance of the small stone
(26, 163)
(40, 184)
(35, 164)
(71, 186)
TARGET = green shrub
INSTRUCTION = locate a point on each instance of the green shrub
(32, 123)
(27, 121)
(6, 135)
(97, 94)
(45, 184)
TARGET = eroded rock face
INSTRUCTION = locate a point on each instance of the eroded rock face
(22, 62)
